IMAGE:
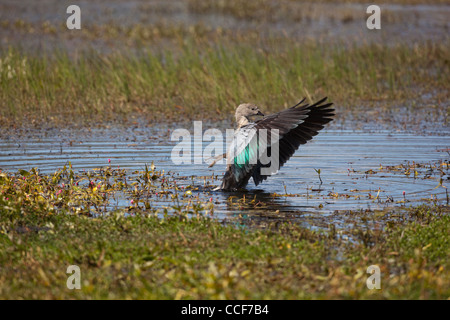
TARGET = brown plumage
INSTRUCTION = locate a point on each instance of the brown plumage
(296, 125)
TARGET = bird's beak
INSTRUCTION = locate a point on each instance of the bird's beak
(260, 113)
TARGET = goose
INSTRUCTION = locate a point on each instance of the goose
(275, 137)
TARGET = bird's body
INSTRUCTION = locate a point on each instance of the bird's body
(260, 148)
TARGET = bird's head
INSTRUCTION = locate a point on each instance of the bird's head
(247, 110)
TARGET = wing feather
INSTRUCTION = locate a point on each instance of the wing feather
(296, 126)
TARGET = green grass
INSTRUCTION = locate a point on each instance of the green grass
(191, 256)
(208, 81)
(175, 72)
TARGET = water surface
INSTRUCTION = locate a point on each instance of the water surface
(359, 171)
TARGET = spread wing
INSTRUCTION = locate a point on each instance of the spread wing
(280, 133)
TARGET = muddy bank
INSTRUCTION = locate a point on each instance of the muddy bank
(114, 25)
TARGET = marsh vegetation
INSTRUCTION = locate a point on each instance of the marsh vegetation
(140, 227)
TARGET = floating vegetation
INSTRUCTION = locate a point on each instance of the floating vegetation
(135, 254)
(151, 191)
(101, 191)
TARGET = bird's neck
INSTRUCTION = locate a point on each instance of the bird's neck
(242, 121)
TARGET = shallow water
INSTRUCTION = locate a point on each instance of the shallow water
(359, 171)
